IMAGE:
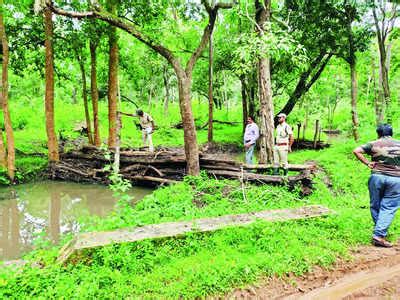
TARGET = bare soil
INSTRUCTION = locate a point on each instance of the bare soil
(372, 273)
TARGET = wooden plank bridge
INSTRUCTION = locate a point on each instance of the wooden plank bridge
(172, 229)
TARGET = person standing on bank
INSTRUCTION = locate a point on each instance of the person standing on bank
(147, 126)
(283, 145)
(384, 182)
(251, 135)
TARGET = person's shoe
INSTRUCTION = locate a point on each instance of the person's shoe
(381, 242)
(275, 171)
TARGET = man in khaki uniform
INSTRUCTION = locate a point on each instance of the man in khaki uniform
(283, 145)
(147, 125)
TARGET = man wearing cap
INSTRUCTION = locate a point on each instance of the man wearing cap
(147, 126)
(283, 145)
(384, 182)
(251, 135)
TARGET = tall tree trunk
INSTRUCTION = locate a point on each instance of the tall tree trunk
(305, 123)
(265, 90)
(4, 99)
(382, 34)
(306, 80)
(52, 142)
(353, 71)
(166, 85)
(380, 100)
(94, 92)
(252, 97)
(190, 136)
(386, 88)
(3, 154)
(225, 91)
(112, 85)
(74, 101)
(210, 89)
(354, 112)
(85, 100)
(244, 101)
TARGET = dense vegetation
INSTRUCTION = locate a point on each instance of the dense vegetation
(312, 51)
(213, 263)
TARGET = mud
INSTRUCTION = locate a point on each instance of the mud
(372, 273)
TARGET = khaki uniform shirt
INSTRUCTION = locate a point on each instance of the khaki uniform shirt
(283, 131)
(145, 121)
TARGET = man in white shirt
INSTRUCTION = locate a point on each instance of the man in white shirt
(283, 144)
(147, 125)
(251, 135)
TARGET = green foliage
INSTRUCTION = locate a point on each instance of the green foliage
(275, 43)
(200, 264)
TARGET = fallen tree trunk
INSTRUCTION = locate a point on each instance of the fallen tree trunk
(172, 229)
(166, 166)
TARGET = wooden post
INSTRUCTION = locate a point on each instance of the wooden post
(316, 134)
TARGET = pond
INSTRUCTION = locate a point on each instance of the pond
(50, 208)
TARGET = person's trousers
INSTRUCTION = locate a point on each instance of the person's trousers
(147, 139)
(249, 154)
(384, 192)
(281, 156)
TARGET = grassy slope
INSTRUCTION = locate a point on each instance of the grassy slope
(197, 264)
(213, 263)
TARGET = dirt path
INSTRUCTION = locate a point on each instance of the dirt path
(374, 273)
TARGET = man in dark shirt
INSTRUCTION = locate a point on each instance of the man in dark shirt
(384, 183)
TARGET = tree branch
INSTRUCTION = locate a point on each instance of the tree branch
(320, 70)
(124, 25)
(212, 16)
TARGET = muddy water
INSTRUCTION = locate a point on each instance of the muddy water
(51, 209)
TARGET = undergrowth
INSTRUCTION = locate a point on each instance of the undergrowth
(200, 264)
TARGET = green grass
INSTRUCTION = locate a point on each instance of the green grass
(200, 264)
(197, 264)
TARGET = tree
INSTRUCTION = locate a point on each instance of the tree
(183, 74)
(385, 15)
(350, 13)
(4, 97)
(316, 26)
(357, 37)
(210, 85)
(263, 14)
(94, 91)
(79, 47)
(112, 78)
(52, 143)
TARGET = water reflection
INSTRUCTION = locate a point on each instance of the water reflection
(50, 209)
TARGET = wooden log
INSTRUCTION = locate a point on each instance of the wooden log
(168, 168)
(216, 160)
(220, 167)
(248, 176)
(291, 167)
(152, 179)
(219, 122)
(172, 229)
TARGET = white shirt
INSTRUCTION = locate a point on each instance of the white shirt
(251, 134)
